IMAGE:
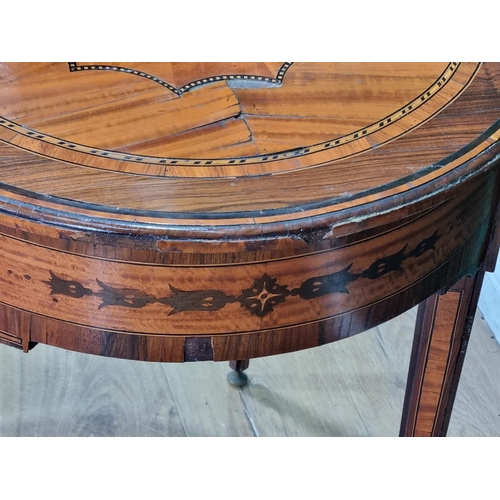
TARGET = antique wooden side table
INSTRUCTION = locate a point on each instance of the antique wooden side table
(224, 211)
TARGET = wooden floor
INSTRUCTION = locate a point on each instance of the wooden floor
(351, 388)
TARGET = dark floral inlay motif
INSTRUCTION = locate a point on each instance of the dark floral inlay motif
(126, 297)
(197, 300)
(260, 299)
(425, 245)
(322, 285)
(67, 287)
(385, 265)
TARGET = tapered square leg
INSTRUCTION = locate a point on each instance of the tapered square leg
(442, 333)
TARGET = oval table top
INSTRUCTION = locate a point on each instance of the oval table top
(141, 189)
(252, 147)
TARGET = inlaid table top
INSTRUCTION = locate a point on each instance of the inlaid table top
(250, 147)
(250, 160)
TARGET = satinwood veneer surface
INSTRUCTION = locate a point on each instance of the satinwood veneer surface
(198, 211)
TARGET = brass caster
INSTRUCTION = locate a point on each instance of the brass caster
(236, 376)
(238, 379)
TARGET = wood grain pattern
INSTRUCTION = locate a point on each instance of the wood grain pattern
(442, 333)
(227, 211)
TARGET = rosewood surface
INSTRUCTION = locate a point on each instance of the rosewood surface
(227, 211)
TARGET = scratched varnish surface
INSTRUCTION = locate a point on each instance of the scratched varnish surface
(349, 388)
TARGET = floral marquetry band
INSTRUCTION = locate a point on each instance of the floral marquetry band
(259, 299)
